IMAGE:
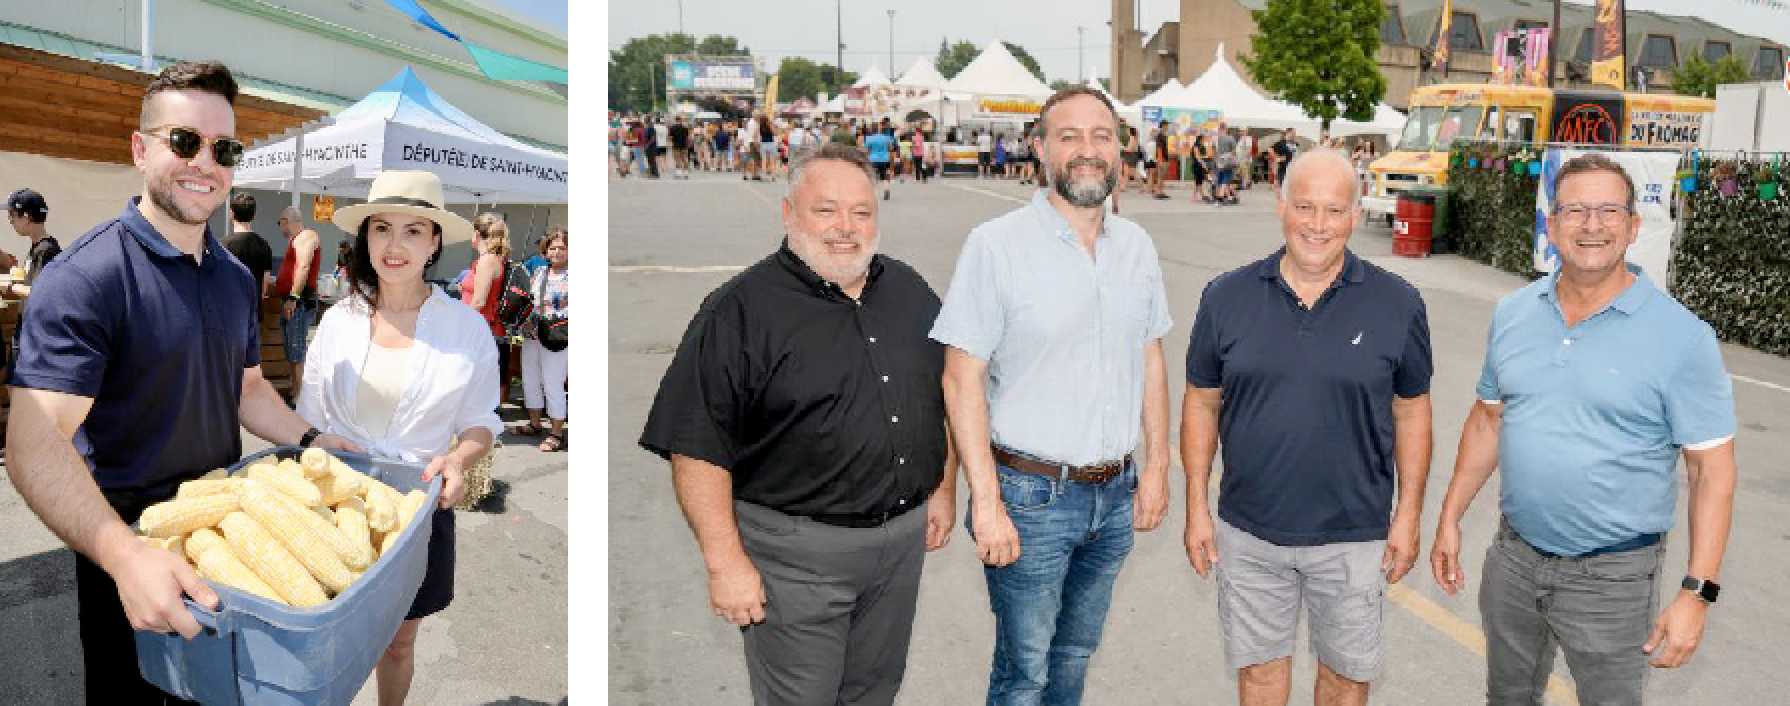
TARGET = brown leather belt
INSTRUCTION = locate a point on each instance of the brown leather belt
(1097, 473)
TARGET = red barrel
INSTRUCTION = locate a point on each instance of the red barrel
(1416, 212)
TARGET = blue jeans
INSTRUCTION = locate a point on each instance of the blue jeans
(1050, 605)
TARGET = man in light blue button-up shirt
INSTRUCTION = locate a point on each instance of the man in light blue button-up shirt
(1595, 382)
(1053, 324)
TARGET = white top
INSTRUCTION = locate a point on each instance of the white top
(798, 137)
(982, 142)
(382, 382)
(451, 387)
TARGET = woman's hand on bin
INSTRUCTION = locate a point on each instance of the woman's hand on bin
(453, 478)
(151, 582)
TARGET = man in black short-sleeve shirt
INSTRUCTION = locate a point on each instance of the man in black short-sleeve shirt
(804, 421)
(247, 245)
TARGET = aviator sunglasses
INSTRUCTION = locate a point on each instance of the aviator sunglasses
(186, 144)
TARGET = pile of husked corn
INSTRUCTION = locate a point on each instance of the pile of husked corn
(294, 532)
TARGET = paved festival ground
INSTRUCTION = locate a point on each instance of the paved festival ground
(671, 242)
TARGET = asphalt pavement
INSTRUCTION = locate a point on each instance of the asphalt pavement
(671, 242)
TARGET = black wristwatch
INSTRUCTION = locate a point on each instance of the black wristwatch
(310, 436)
(1704, 588)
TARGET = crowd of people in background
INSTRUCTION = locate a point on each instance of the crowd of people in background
(1218, 160)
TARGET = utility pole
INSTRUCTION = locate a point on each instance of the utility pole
(1553, 42)
(891, 42)
(839, 38)
(1080, 72)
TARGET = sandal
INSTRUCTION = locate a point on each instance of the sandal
(552, 443)
(528, 429)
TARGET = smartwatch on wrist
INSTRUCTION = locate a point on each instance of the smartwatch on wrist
(1704, 588)
(310, 436)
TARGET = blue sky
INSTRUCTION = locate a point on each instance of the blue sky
(548, 12)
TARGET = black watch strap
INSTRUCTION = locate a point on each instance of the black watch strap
(1704, 588)
(310, 436)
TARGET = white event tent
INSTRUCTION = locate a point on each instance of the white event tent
(1222, 88)
(922, 75)
(405, 125)
(996, 72)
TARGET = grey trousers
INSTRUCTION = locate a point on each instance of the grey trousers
(1598, 609)
(839, 607)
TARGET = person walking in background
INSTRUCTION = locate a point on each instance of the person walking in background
(545, 362)
(681, 143)
(248, 247)
(879, 146)
(919, 146)
(297, 283)
(482, 289)
(405, 372)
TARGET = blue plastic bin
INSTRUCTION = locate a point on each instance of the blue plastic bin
(254, 651)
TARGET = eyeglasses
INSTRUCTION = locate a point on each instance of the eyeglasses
(1580, 214)
(186, 143)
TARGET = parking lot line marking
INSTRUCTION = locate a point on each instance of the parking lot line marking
(674, 269)
(1761, 383)
(986, 192)
(1464, 633)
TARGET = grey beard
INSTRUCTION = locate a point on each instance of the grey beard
(1080, 194)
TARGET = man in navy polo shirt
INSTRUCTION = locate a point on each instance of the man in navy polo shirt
(1595, 382)
(137, 363)
(1312, 367)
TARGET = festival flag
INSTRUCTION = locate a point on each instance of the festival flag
(770, 93)
(499, 66)
(1609, 53)
(422, 17)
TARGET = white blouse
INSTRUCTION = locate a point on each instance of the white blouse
(452, 386)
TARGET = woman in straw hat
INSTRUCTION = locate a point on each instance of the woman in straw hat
(403, 370)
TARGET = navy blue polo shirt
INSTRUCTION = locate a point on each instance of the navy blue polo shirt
(157, 341)
(1305, 425)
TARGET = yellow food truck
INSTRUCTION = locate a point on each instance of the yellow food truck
(1443, 113)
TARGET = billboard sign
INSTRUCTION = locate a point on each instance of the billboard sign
(716, 74)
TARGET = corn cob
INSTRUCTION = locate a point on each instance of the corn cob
(173, 544)
(205, 486)
(292, 467)
(388, 541)
(269, 559)
(351, 520)
(327, 514)
(315, 462)
(382, 506)
(173, 518)
(313, 541)
(408, 507)
(222, 566)
(215, 474)
(199, 541)
(288, 482)
(341, 484)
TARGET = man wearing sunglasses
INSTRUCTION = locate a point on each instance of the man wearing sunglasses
(1595, 382)
(138, 367)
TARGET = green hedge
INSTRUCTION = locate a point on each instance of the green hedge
(1493, 217)
(1732, 265)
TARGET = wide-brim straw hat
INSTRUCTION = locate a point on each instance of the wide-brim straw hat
(410, 192)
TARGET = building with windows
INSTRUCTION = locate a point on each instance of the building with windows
(1659, 42)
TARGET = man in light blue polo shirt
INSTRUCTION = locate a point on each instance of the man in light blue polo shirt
(1053, 325)
(1595, 381)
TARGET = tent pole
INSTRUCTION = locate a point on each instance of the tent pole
(298, 155)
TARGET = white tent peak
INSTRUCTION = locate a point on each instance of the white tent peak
(1220, 53)
(872, 76)
(922, 75)
(995, 71)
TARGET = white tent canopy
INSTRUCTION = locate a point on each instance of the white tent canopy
(1168, 95)
(1131, 114)
(872, 77)
(1387, 121)
(405, 125)
(996, 72)
(922, 75)
(1221, 89)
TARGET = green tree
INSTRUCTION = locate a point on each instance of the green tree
(1699, 78)
(1319, 55)
(1025, 59)
(637, 70)
(953, 57)
(801, 77)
